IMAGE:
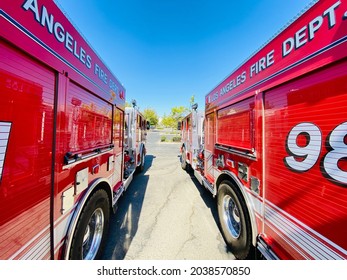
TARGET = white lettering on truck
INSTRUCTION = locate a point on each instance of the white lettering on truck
(307, 33)
(57, 29)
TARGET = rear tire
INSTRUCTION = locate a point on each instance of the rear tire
(234, 220)
(184, 163)
(141, 167)
(91, 229)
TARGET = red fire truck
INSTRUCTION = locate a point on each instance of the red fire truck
(62, 143)
(135, 142)
(272, 143)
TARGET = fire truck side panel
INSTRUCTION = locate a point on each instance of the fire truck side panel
(210, 138)
(238, 153)
(85, 133)
(287, 150)
(135, 133)
(186, 134)
(118, 140)
(61, 125)
(306, 168)
(189, 138)
(134, 143)
(26, 109)
(235, 125)
(140, 137)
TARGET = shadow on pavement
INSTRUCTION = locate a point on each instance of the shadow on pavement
(124, 223)
(208, 199)
(211, 203)
(204, 193)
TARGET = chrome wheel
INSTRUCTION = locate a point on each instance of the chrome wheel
(183, 159)
(231, 216)
(93, 235)
(234, 220)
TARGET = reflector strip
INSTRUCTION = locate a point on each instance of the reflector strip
(5, 128)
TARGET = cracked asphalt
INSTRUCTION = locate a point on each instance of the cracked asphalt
(165, 214)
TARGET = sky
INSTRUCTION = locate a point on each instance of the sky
(166, 51)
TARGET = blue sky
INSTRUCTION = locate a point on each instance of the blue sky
(165, 51)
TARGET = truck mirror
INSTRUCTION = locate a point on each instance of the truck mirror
(179, 124)
(148, 125)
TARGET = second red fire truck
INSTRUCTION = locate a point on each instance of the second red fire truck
(271, 145)
(64, 158)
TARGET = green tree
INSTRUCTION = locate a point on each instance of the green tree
(179, 112)
(151, 116)
(168, 121)
(176, 115)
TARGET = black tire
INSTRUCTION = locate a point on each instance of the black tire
(91, 229)
(234, 220)
(141, 167)
(184, 163)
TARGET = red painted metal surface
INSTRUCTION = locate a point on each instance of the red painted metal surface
(277, 128)
(61, 112)
(306, 174)
(27, 94)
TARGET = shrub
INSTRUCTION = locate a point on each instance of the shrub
(176, 139)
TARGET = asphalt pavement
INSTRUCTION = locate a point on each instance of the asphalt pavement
(165, 214)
